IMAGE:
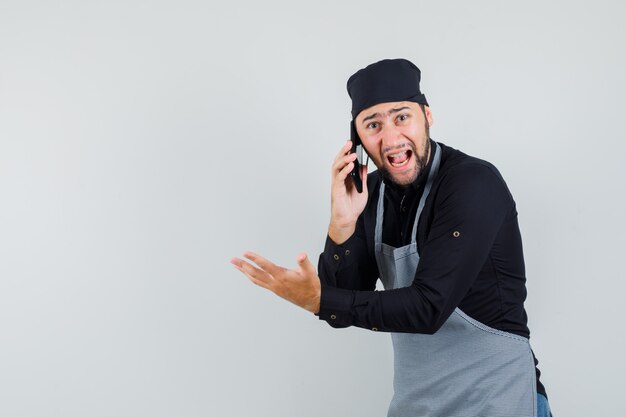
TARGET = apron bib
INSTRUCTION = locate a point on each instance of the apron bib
(465, 369)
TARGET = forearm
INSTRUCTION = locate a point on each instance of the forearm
(348, 265)
(422, 307)
(402, 310)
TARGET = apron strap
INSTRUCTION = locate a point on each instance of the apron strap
(378, 233)
(434, 169)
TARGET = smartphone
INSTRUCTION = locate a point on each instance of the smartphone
(357, 147)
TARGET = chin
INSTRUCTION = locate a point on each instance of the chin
(402, 180)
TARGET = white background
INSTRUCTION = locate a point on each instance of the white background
(143, 144)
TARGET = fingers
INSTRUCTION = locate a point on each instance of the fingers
(345, 171)
(266, 265)
(264, 276)
(305, 264)
(341, 163)
(343, 157)
(344, 150)
(256, 275)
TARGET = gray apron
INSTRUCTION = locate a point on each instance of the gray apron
(465, 369)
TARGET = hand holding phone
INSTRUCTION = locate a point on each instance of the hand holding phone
(348, 191)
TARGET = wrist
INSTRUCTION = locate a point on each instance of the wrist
(314, 305)
(339, 234)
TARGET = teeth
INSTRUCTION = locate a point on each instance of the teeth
(400, 164)
(397, 155)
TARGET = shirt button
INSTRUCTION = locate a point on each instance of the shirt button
(404, 209)
(347, 252)
(336, 257)
(375, 329)
(456, 233)
(333, 317)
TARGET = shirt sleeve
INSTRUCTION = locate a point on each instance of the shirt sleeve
(470, 207)
(346, 266)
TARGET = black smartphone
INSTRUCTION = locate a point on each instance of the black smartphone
(357, 147)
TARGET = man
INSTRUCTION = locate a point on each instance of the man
(439, 228)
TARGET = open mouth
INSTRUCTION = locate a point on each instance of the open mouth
(400, 159)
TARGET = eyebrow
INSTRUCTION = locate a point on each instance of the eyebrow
(371, 116)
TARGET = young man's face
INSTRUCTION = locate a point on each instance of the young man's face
(395, 135)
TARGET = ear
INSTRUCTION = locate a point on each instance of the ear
(429, 115)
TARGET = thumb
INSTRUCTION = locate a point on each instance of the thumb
(305, 264)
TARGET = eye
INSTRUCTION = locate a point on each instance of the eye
(373, 125)
(403, 117)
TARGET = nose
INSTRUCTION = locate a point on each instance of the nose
(390, 136)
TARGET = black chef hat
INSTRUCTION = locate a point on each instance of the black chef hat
(383, 82)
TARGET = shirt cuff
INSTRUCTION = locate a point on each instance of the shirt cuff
(338, 256)
(336, 305)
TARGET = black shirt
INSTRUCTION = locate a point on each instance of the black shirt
(470, 251)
